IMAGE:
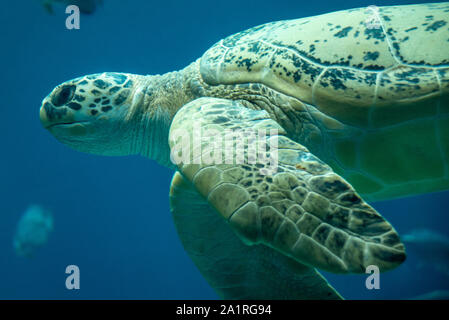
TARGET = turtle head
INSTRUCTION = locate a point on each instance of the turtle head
(116, 113)
(90, 114)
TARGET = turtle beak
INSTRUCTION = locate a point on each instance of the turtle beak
(44, 118)
(51, 115)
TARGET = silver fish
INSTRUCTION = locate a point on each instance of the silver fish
(431, 247)
(33, 230)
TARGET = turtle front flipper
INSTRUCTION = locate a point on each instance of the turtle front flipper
(293, 203)
(233, 269)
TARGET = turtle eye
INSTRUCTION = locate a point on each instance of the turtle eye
(63, 95)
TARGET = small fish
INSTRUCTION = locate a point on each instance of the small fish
(85, 6)
(33, 230)
(431, 247)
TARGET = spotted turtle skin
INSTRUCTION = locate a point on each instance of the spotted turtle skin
(375, 82)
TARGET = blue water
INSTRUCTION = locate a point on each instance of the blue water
(112, 215)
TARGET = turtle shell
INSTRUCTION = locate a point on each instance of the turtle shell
(369, 67)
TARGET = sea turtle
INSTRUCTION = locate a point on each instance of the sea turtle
(351, 98)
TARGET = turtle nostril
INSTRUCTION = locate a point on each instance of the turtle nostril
(63, 95)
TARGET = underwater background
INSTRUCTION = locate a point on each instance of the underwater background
(111, 215)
